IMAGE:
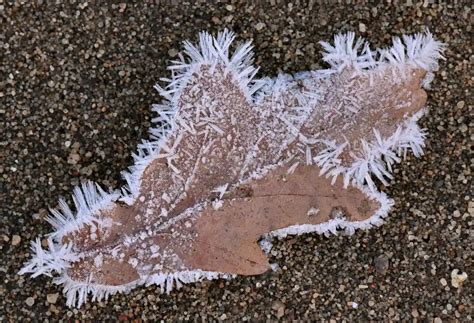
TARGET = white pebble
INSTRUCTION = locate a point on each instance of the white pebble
(457, 279)
(30, 301)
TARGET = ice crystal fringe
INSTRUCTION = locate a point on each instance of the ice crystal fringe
(332, 227)
(78, 292)
(378, 156)
(88, 199)
(418, 51)
(45, 262)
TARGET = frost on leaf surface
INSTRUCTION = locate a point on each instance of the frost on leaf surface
(234, 159)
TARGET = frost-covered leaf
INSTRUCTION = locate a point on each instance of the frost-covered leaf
(235, 159)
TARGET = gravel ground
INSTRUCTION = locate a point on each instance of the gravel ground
(75, 90)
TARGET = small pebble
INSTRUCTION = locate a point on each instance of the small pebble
(463, 128)
(52, 298)
(457, 279)
(259, 26)
(16, 239)
(30, 301)
(279, 308)
(470, 208)
(173, 52)
(73, 158)
(381, 264)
